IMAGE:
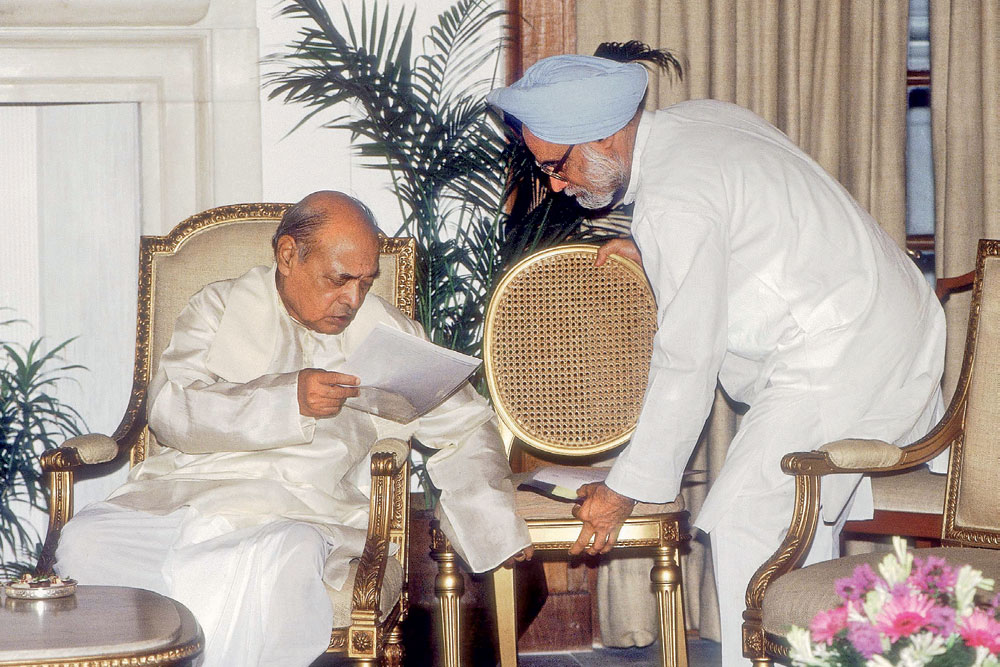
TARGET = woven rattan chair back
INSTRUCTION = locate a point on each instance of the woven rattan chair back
(972, 516)
(567, 347)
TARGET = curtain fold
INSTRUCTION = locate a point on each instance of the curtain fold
(965, 129)
(832, 76)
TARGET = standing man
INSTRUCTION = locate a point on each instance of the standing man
(769, 279)
(255, 500)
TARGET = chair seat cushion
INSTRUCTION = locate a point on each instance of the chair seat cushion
(392, 586)
(532, 505)
(798, 596)
(919, 491)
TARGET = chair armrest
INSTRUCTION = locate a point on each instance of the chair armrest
(80, 451)
(390, 456)
(398, 449)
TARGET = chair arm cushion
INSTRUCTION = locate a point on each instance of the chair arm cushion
(395, 446)
(855, 454)
(80, 450)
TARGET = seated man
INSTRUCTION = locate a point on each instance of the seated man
(256, 497)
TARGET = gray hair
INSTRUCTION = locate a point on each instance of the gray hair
(302, 220)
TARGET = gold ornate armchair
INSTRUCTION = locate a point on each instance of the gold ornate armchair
(780, 595)
(223, 243)
(567, 347)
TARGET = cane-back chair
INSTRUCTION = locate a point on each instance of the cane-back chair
(224, 243)
(779, 595)
(567, 347)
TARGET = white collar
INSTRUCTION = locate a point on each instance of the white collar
(641, 135)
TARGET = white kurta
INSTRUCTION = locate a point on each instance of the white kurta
(772, 280)
(232, 444)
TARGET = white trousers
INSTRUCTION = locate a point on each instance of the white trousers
(257, 592)
(748, 535)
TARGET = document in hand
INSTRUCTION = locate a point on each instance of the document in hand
(403, 376)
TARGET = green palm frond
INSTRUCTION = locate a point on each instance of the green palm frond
(32, 420)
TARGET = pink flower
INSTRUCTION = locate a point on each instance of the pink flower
(978, 629)
(904, 615)
(865, 639)
(858, 584)
(826, 624)
(932, 576)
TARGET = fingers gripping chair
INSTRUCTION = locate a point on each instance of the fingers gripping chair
(223, 243)
(567, 347)
(780, 595)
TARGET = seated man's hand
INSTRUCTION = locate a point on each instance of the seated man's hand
(322, 393)
(524, 554)
(603, 512)
(622, 247)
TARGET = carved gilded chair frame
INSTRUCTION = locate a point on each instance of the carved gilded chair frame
(369, 638)
(763, 647)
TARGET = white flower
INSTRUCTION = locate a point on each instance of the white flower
(878, 660)
(966, 583)
(803, 652)
(895, 567)
(922, 649)
(875, 599)
(983, 657)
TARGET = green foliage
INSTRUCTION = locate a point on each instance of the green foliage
(32, 420)
(424, 120)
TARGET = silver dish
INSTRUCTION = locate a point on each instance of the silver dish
(22, 591)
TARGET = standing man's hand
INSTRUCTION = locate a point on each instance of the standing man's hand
(322, 393)
(622, 247)
(603, 512)
(524, 554)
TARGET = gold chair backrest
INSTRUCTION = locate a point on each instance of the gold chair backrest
(567, 347)
(972, 505)
(219, 244)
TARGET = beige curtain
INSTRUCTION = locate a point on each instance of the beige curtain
(831, 75)
(965, 120)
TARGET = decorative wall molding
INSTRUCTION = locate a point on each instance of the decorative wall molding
(197, 89)
(76, 13)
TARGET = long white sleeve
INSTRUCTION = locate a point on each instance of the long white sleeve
(688, 273)
(472, 473)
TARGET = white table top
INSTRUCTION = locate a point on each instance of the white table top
(99, 622)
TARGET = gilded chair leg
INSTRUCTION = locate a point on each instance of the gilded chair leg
(505, 609)
(666, 578)
(448, 588)
(393, 655)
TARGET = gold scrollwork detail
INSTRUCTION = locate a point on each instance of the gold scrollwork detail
(338, 641)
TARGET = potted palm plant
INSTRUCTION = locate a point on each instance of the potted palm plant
(32, 420)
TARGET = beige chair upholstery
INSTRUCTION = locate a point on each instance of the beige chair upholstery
(780, 595)
(219, 244)
(567, 347)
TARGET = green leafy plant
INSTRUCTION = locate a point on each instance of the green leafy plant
(32, 420)
(423, 119)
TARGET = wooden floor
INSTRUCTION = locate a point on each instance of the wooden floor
(701, 653)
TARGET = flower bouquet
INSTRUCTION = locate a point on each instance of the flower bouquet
(920, 611)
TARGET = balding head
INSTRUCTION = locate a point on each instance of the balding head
(326, 250)
(302, 220)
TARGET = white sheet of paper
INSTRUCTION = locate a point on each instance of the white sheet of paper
(402, 376)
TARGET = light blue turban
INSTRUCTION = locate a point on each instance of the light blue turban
(574, 99)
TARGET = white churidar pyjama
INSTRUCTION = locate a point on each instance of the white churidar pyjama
(257, 592)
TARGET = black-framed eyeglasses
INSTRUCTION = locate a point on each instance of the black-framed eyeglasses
(552, 169)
